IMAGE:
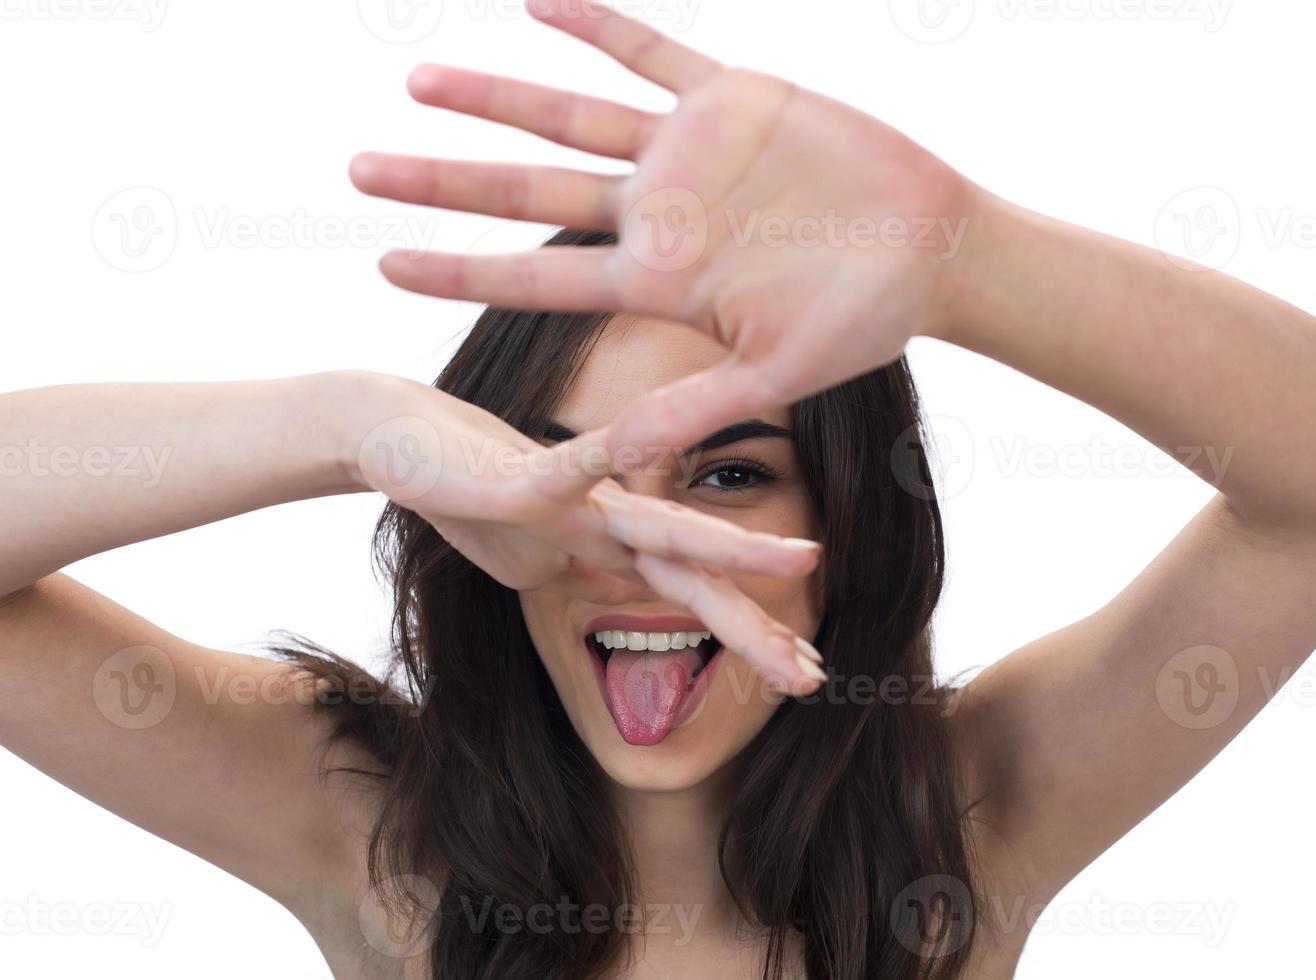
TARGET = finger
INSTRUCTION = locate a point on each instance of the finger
(583, 534)
(547, 493)
(786, 660)
(638, 46)
(572, 528)
(679, 414)
(553, 277)
(548, 195)
(569, 118)
(553, 478)
(566, 471)
(664, 527)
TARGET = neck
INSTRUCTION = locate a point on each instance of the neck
(673, 841)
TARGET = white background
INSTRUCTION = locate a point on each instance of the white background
(243, 115)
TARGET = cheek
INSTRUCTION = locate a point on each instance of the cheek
(560, 652)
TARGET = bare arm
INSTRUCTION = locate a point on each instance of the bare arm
(1079, 735)
(87, 468)
(212, 750)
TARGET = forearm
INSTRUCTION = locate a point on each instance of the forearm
(87, 468)
(1218, 374)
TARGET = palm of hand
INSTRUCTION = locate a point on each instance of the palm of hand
(802, 234)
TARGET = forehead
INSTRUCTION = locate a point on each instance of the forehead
(633, 356)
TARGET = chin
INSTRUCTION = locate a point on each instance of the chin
(662, 771)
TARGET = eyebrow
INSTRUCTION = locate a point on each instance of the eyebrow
(737, 431)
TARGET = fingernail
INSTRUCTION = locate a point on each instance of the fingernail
(803, 544)
(618, 501)
(809, 668)
(424, 77)
(808, 649)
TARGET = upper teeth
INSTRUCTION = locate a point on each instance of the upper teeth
(631, 640)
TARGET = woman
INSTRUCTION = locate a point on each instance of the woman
(608, 748)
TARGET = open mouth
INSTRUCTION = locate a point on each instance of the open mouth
(652, 682)
(704, 644)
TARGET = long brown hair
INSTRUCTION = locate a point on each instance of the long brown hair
(848, 824)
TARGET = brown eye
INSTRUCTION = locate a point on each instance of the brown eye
(734, 475)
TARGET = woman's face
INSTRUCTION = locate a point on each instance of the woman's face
(657, 715)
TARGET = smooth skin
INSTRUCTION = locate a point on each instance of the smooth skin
(1065, 739)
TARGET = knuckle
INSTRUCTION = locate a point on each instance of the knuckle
(516, 188)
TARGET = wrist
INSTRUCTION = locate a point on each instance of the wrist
(352, 404)
(962, 286)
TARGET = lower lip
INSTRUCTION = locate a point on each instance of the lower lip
(693, 697)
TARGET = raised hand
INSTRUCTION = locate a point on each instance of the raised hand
(536, 516)
(807, 237)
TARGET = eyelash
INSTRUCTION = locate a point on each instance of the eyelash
(761, 472)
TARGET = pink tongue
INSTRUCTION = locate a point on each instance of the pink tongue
(646, 690)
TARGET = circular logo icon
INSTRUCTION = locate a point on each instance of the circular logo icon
(666, 230)
(386, 925)
(402, 457)
(933, 916)
(932, 21)
(1198, 687)
(400, 21)
(1201, 226)
(135, 688)
(136, 230)
(949, 455)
